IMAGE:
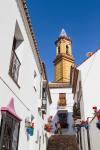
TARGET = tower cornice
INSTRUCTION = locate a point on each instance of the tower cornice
(66, 38)
(63, 56)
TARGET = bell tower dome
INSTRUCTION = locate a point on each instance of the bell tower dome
(64, 58)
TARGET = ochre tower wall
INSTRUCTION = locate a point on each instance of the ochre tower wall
(62, 70)
(58, 71)
(64, 58)
(66, 70)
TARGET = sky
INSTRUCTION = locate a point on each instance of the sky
(79, 18)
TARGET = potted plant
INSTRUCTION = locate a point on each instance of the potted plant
(47, 127)
(97, 113)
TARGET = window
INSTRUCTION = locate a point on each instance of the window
(44, 100)
(43, 93)
(63, 119)
(14, 43)
(59, 50)
(62, 99)
(9, 132)
(66, 49)
(14, 66)
(62, 96)
(15, 61)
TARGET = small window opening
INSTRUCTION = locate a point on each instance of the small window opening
(59, 50)
(44, 93)
(66, 49)
(15, 61)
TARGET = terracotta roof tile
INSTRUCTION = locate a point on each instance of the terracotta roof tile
(31, 29)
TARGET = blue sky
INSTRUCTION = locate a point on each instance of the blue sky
(80, 19)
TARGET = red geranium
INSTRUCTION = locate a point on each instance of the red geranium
(47, 127)
(98, 114)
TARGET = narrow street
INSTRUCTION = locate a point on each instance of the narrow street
(49, 75)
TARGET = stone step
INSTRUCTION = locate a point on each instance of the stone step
(62, 142)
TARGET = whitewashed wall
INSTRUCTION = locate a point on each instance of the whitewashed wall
(90, 76)
(9, 14)
(94, 135)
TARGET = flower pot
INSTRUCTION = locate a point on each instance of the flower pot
(30, 131)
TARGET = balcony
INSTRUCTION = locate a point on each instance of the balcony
(76, 111)
(44, 105)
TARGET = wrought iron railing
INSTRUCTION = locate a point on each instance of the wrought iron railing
(14, 66)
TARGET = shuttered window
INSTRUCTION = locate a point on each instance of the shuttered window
(62, 99)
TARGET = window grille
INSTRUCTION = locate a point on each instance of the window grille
(15, 62)
(14, 66)
(9, 132)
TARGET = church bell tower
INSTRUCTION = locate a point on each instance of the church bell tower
(64, 58)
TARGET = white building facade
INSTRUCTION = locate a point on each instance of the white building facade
(55, 109)
(22, 117)
(86, 93)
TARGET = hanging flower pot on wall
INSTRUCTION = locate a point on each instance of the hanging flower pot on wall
(97, 113)
(30, 131)
(47, 127)
(29, 127)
